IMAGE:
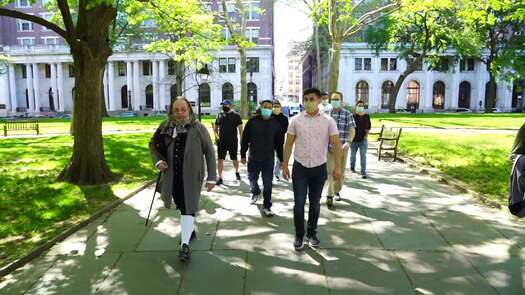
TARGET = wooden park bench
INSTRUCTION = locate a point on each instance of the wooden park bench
(388, 142)
(20, 126)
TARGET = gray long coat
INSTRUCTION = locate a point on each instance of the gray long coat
(198, 146)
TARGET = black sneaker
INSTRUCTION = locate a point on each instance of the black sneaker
(364, 176)
(313, 241)
(277, 178)
(329, 201)
(353, 170)
(184, 253)
(298, 244)
(238, 176)
(337, 197)
(219, 182)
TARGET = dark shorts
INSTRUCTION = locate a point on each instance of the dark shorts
(230, 148)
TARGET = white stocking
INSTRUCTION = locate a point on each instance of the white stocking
(186, 228)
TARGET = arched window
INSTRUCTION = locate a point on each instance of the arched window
(252, 92)
(386, 93)
(124, 97)
(149, 96)
(51, 100)
(464, 95)
(227, 91)
(361, 92)
(173, 92)
(413, 95)
(204, 95)
(438, 95)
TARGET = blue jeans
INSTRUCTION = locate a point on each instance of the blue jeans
(265, 168)
(277, 169)
(362, 146)
(307, 181)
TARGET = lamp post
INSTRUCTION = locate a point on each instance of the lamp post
(204, 74)
(250, 91)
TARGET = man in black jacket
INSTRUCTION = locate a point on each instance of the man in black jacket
(283, 120)
(262, 136)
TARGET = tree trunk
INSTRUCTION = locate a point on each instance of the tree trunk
(490, 99)
(179, 77)
(397, 87)
(317, 57)
(88, 165)
(334, 65)
(244, 85)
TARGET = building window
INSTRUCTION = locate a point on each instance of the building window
(413, 95)
(231, 65)
(149, 96)
(146, 68)
(418, 66)
(171, 68)
(227, 91)
(26, 41)
(50, 41)
(466, 64)
(252, 64)
(48, 70)
(23, 3)
(252, 10)
(438, 95)
(252, 34)
(121, 68)
(361, 92)
(207, 7)
(23, 68)
(72, 70)
(230, 7)
(148, 24)
(363, 64)
(223, 65)
(45, 2)
(47, 16)
(225, 33)
(389, 64)
(386, 93)
(24, 25)
(204, 95)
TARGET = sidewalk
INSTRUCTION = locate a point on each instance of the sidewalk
(397, 232)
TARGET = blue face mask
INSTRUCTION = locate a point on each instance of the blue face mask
(336, 104)
(266, 113)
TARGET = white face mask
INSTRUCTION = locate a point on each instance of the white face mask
(360, 109)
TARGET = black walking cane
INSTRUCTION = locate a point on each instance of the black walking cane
(153, 198)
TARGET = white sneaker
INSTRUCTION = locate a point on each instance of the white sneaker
(268, 212)
(254, 199)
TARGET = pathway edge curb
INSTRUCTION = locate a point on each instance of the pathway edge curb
(9, 268)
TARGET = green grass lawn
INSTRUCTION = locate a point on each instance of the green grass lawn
(478, 160)
(35, 208)
(485, 121)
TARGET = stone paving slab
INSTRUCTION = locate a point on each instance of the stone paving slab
(398, 232)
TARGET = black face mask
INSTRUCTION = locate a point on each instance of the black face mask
(226, 109)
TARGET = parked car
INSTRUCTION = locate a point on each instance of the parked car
(495, 110)
(463, 110)
(402, 111)
(128, 114)
(65, 116)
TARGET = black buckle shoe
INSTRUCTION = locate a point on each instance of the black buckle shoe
(238, 176)
(314, 241)
(184, 253)
(219, 182)
(298, 244)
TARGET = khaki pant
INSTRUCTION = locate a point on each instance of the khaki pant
(333, 185)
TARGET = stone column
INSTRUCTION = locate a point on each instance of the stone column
(129, 82)
(105, 85)
(61, 94)
(29, 81)
(5, 97)
(426, 100)
(36, 86)
(54, 85)
(12, 88)
(136, 86)
(480, 87)
(453, 99)
(111, 87)
(162, 85)
(155, 83)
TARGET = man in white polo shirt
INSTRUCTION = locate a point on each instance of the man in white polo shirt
(311, 132)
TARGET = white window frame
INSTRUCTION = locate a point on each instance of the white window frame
(225, 33)
(47, 16)
(21, 22)
(19, 4)
(252, 10)
(44, 40)
(362, 64)
(249, 33)
(20, 39)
